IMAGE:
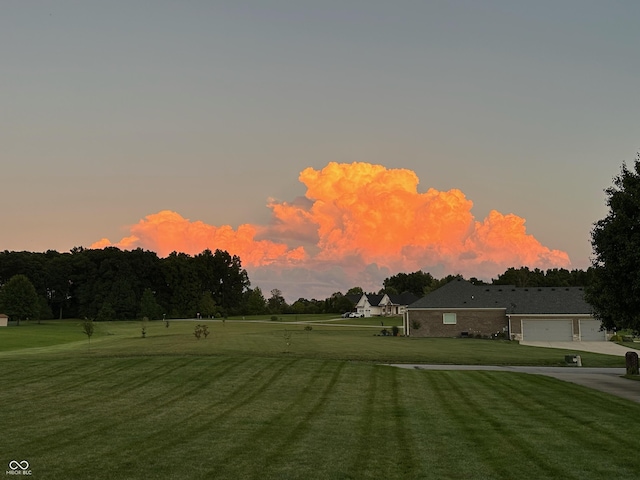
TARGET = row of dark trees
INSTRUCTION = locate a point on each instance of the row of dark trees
(111, 283)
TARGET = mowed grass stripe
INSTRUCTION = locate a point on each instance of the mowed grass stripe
(402, 415)
(579, 420)
(14, 373)
(435, 443)
(90, 403)
(501, 444)
(200, 420)
(284, 427)
(133, 429)
(576, 413)
(365, 427)
(466, 434)
(69, 392)
(302, 424)
(258, 434)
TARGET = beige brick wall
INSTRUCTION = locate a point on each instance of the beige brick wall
(483, 322)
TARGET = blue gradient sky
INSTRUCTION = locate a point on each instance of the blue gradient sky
(111, 111)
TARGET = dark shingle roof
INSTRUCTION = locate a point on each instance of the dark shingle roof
(533, 300)
(374, 300)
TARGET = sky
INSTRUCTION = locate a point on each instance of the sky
(328, 144)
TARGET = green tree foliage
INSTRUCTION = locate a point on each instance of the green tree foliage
(18, 299)
(615, 291)
(44, 310)
(149, 307)
(106, 313)
(304, 306)
(182, 279)
(355, 291)
(276, 302)
(338, 303)
(254, 302)
(417, 283)
(207, 306)
(87, 328)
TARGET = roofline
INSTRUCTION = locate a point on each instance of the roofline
(456, 308)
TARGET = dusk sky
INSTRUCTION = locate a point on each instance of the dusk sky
(329, 144)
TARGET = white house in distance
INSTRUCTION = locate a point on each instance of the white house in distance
(384, 305)
(4, 320)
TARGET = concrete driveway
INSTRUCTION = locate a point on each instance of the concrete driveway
(608, 380)
(607, 348)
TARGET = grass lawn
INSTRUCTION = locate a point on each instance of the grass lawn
(244, 404)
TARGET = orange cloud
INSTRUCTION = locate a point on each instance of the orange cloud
(377, 214)
(167, 231)
(356, 215)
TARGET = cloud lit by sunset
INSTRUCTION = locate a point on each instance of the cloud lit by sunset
(357, 215)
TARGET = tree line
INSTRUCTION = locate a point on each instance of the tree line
(106, 284)
(109, 284)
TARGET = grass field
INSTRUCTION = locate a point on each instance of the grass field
(244, 404)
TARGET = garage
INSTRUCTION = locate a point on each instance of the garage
(590, 331)
(559, 330)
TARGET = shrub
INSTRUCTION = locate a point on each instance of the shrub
(415, 325)
(143, 328)
(201, 330)
(274, 318)
(394, 331)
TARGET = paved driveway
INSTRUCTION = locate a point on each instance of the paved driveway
(607, 380)
(608, 348)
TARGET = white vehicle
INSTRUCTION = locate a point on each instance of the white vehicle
(356, 315)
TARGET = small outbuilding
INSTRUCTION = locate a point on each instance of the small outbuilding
(4, 320)
(461, 309)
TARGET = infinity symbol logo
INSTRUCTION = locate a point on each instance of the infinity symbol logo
(23, 465)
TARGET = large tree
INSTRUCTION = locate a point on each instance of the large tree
(615, 291)
(18, 299)
(417, 283)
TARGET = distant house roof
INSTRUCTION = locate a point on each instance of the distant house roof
(374, 300)
(405, 298)
(529, 300)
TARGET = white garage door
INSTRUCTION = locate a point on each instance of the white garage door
(590, 331)
(547, 330)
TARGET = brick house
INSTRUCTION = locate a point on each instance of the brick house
(461, 309)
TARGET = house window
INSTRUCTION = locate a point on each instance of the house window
(449, 318)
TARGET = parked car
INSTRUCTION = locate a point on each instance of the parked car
(346, 314)
(356, 315)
